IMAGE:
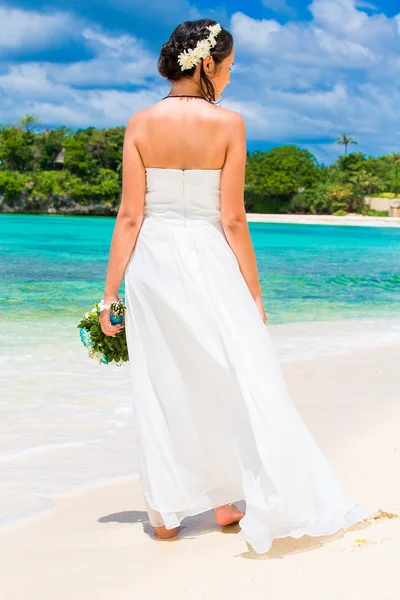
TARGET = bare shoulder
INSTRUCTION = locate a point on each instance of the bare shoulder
(138, 118)
(233, 123)
(232, 118)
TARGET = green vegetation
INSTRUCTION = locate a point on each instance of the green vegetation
(102, 348)
(345, 140)
(60, 170)
(79, 172)
(289, 180)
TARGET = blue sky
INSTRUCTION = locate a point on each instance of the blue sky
(304, 71)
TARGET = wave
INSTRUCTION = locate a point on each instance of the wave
(320, 338)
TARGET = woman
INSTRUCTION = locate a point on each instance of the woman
(214, 420)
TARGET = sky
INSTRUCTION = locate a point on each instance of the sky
(304, 72)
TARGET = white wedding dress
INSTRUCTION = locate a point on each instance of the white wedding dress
(214, 420)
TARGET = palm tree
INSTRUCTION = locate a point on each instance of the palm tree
(363, 183)
(345, 140)
(395, 160)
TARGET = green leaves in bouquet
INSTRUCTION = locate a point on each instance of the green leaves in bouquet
(118, 309)
(114, 348)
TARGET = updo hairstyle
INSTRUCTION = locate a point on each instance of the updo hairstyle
(185, 37)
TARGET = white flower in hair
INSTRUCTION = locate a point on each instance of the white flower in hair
(203, 48)
(189, 58)
(215, 29)
(195, 55)
(185, 60)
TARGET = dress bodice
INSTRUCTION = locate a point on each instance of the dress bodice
(183, 197)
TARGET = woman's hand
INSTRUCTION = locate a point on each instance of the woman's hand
(260, 306)
(105, 323)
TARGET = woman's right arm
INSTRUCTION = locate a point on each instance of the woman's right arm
(128, 222)
(233, 213)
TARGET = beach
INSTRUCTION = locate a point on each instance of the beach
(96, 542)
(72, 518)
(127, 167)
(350, 220)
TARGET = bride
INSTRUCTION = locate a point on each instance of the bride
(214, 420)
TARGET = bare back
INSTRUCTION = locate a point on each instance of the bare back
(183, 133)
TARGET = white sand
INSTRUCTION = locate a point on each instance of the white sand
(325, 220)
(97, 545)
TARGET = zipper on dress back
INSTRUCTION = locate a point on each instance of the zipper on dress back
(184, 197)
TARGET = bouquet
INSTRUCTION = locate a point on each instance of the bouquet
(105, 349)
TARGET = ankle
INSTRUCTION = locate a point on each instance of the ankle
(162, 533)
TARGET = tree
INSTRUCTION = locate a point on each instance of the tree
(340, 197)
(355, 161)
(105, 145)
(395, 160)
(17, 144)
(363, 183)
(46, 147)
(16, 149)
(78, 159)
(28, 122)
(345, 140)
(280, 172)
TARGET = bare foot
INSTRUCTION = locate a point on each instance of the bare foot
(228, 515)
(162, 533)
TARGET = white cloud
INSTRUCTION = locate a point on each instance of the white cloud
(297, 43)
(111, 106)
(31, 29)
(83, 108)
(171, 13)
(114, 47)
(121, 60)
(314, 79)
(31, 80)
(252, 35)
(367, 5)
(294, 81)
(280, 6)
(80, 93)
(338, 15)
(397, 20)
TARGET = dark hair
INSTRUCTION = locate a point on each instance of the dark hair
(185, 37)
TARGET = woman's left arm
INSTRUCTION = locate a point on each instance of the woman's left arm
(127, 224)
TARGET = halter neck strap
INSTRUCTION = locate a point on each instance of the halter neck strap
(185, 96)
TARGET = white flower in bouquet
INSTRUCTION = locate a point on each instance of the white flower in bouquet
(102, 306)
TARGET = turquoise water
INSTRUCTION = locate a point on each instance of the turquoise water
(56, 265)
(327, 289)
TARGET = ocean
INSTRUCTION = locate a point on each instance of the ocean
(67, 421)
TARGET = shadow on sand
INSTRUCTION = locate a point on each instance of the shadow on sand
(204, 523)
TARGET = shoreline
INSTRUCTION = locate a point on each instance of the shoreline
(354, 220)
(96, 542)
(293, 368)
(97, 411)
